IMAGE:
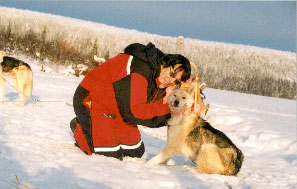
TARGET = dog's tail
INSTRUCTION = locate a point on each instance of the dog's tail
(238, 161)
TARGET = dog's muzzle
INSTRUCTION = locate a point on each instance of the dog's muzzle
(176, 103)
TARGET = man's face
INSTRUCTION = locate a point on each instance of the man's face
(169, 76)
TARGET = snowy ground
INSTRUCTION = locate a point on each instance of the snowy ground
(37, 151)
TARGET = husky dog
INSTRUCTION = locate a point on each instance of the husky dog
(20, 72)
(188, 134)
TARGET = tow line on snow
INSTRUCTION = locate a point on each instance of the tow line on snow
(37, 100)
(33, 99)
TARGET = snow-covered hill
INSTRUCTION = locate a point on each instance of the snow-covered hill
(37, 148)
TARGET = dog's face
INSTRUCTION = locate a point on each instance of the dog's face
(180, 98)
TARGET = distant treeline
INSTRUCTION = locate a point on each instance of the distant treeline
(223, 66)
(35, 45)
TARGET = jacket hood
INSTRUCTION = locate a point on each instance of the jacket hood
(149, 54)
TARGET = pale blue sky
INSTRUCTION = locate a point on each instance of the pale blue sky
(270, 24)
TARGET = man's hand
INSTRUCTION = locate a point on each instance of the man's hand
(168, 91)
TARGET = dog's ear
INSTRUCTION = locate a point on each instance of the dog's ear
(192, 88)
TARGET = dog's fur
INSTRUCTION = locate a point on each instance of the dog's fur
(20, 72)
(188, 134)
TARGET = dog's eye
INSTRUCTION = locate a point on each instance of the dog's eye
(174, 95)
(184, 97)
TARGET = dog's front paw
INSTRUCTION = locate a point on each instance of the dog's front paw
(170, 162)
(154, 161)
(151, 162)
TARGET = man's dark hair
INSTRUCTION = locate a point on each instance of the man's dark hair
(173, 59)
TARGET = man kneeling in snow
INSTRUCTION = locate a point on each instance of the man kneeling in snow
(121, 93)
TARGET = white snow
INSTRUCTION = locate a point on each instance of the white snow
(37, 148)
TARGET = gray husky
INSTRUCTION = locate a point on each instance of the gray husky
(22, 76)
(210, 149)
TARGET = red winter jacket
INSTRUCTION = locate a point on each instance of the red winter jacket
(119, 95)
